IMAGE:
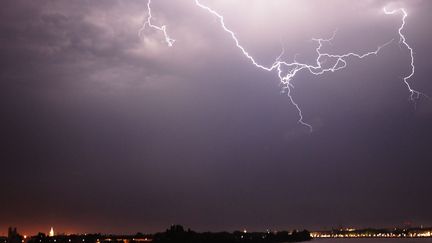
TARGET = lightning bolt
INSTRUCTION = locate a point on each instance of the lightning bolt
(402, 40)
(295, 66)
(162, 28)
(286, 71)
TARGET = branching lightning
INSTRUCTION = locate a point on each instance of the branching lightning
(295, 66)
(414, 94)
(148, 22)
(286, 71)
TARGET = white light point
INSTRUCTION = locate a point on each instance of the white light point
(162, 28)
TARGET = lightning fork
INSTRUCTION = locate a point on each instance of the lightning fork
(414, 94)
(286, 71)
(162, 28)
(295, 66)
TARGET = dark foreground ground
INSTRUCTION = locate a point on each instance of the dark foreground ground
(175, 234)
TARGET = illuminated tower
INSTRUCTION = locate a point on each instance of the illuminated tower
(51, 233)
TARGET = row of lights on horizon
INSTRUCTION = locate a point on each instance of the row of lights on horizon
(50, 234)
(379, 235)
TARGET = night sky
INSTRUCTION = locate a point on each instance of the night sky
(106, 131)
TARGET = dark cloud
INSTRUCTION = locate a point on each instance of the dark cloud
(104, 130)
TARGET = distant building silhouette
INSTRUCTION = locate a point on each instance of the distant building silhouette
(13, 236)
